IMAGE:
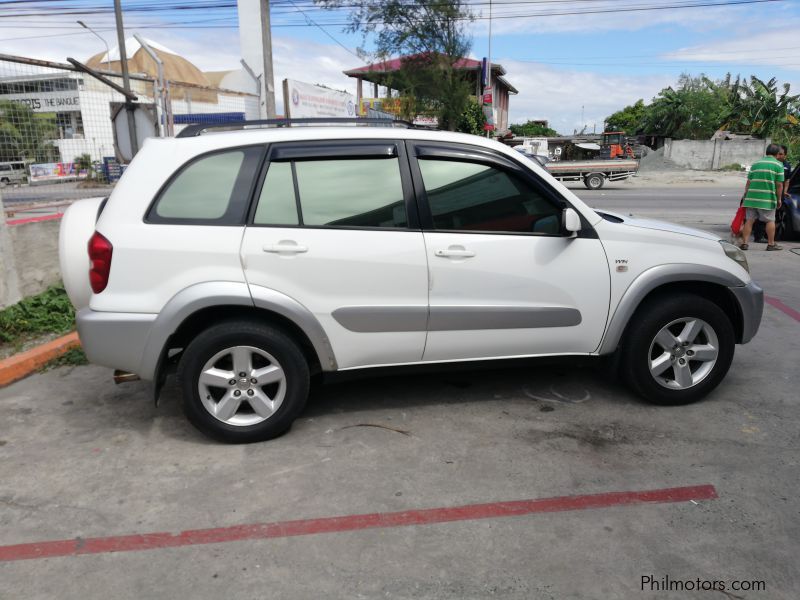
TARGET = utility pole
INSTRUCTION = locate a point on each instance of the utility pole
(269, 78)
(126, 82)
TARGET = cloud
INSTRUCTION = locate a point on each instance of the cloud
(512, 19)
(771, 47)
(560, 96)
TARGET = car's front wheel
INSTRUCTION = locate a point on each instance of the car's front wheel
(243, 381)
(678, 348)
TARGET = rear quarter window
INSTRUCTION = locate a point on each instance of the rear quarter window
(212, 189)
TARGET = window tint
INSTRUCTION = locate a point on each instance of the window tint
(276, 205)
(204, 189)
(344, 193)
(469, 196)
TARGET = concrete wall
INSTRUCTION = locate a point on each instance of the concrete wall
(740, 152)
(9, 283)
(29, 261)
(714, 154)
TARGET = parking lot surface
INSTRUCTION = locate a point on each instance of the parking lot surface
(421, 483)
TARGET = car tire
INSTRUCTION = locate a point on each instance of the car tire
(594, 181)
(678, 348)
(784, 228)
(243, 381)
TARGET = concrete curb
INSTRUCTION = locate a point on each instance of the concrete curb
(21, 365)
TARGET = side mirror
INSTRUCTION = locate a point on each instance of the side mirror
(571, 220)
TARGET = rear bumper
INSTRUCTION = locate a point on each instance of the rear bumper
(751, 303)
(115, 340)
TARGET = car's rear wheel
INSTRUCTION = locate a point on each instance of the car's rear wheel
(677, 349)
(243, 382)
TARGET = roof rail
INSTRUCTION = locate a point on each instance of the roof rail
(198, 129)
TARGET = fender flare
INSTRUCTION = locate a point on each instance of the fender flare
(649, 280)
(228, 293)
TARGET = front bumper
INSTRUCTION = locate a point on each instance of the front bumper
(751, 304)
(115, 340)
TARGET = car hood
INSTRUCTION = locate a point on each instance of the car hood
(659, 225)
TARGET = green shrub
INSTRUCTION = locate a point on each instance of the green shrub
(48, 312)
(732, 167)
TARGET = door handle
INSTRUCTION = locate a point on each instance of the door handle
(285, 247)
(455, 252)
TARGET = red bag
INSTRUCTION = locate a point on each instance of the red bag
(738, 221)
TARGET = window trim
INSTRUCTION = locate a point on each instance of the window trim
(357, 149)
(475, 154)
(254, 153)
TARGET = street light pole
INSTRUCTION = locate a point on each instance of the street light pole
(108, 52)
(126, 82)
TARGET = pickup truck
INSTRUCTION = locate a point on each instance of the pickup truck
(593, 173)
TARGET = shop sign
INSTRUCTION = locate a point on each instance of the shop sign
(47, 101)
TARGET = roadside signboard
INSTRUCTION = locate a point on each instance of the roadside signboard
(304, 100)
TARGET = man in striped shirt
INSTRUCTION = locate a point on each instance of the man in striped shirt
(763, 195)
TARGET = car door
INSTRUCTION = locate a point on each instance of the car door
(505, 279)
(335, 227)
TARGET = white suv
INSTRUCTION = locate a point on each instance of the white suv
(252, 260)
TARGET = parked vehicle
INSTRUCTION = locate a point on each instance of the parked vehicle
(787, 218)
(249, 261)
(12, 172)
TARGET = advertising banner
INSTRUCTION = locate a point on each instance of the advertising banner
(55, 172)
(387, 105)
(488, 109)
(304, 100)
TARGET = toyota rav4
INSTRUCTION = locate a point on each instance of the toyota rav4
(248, 261)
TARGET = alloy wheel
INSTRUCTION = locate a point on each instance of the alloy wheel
(242, 385)
(683, 353)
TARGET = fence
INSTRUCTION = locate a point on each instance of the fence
(57, 145)
(57, 139)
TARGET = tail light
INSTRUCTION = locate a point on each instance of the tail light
(100, 250)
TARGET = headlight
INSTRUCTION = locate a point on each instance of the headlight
(735, 253)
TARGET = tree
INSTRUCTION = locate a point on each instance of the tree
(472, 119)
(694, 110)
(629, 120)
(532, 129)
(430, 38)
(760, 109)
(26, 135)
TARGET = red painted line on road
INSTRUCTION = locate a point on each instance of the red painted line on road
(34, 219)
(261, 531)
(774, 302)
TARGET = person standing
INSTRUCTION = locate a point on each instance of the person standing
(762, 195)
(759, 228)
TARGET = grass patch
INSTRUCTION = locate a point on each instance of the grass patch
(73, 357)
(48, 312)
(732, 167)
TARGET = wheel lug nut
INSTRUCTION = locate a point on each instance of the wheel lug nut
(237, 393)
(254, 380)
(232, 382)
(681, 362)
(242, 374)
(250, 392)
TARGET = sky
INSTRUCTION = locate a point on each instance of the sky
(574, 62)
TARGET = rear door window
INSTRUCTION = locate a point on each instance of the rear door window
(336, 192)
